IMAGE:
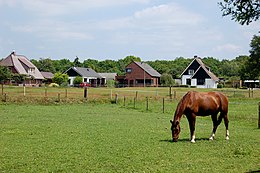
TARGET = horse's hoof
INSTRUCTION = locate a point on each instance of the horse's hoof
(211, 138)
(192, 141)
(227, 138)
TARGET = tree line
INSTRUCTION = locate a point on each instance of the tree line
(242, 67)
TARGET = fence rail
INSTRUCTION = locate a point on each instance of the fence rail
(161, 100)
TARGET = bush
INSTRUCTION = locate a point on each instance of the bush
(77, 80)
(111, 83)
(166, 80)
(220, 86)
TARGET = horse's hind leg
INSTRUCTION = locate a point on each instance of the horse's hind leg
(216, 121)
(226, 124)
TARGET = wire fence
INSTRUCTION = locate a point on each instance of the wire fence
(244, 103)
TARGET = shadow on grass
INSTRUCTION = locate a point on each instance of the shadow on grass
(184, 140)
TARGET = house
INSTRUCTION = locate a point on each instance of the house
(139, 74)
(88, 75)
(19, 64)
(197, 74)
(107, 76)
(47, 76)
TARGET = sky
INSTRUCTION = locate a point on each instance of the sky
(113, 29)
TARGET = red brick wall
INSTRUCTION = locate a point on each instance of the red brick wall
(138, 73)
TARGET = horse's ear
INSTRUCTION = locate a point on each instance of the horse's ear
(171, 121)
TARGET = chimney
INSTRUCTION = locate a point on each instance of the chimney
(13, 52)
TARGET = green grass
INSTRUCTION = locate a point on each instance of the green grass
(110, 138)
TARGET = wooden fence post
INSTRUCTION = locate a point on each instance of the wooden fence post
(124, 101)
(175, 95)
(66, 93)
(45, 91)
(58, 97)
(116, 98)
(249, 92)
(86, 92)
(163, 105)
(134, 102)
(136, 94)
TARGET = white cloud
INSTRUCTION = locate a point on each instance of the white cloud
(61, 7)
(51, 30)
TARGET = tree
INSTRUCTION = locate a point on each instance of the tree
(19, 78)
(91, 63)
(44, 64)
(77, 80)
(253, 63)
(127, 60)
(5, 74)
(166, 80)
(61, 79)
(62, 65)
(242, 11)
(76, 62)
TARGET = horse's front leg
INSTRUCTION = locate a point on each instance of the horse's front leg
(192, 120)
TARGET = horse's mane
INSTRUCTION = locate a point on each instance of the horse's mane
(181, 106)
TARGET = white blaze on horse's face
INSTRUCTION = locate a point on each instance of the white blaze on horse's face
(175, 130)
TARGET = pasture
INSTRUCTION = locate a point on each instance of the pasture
(106, 137)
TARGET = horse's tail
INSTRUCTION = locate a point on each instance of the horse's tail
(224, 103)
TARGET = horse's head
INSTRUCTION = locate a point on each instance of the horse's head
(175, 130)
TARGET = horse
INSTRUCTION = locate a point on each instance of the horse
(195, 104)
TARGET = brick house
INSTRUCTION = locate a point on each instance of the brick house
(139, 74)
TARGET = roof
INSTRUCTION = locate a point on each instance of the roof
(148, 69)
(204, 67)
(85, 72)
(47, 75)
(22, 65)
(108, 76)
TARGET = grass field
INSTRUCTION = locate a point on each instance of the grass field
(92, 137)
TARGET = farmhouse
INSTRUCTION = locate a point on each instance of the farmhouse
(139, 74)
(19, 64)
(197, 74)
(88, 75)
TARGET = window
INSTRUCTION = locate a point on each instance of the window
(191, 72)
(128, 70)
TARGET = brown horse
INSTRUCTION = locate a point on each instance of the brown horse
(200, 104)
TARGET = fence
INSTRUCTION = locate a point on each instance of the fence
(161, 100)
(109, 93)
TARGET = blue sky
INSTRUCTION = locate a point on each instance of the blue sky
(114, 29)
